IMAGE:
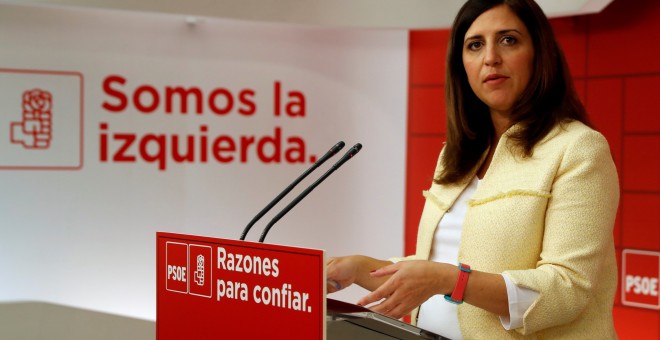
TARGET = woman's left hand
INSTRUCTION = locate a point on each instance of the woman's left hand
(411, 283)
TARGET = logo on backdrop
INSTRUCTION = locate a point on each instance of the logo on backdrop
(34, 130)
(41, 120)
(640, 278)
(186, 277)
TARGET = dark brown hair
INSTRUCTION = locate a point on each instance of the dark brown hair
(548, 100)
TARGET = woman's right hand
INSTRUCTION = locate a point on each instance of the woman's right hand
(341, 272)
(346, 270)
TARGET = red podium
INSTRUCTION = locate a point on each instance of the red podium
(209, 288)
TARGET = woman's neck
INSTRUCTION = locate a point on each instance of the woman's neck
(501, 122)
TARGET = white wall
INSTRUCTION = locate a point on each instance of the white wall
(85, 236)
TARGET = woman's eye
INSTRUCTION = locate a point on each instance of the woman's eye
(508, 40)
(475, 45)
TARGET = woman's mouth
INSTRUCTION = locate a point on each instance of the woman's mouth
(495, 79)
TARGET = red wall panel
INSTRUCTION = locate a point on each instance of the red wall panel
(572, 36)
(623, 39)
(641, 163)
(581, 89)
(635, 323)
(426, 121)
(428, 102)
(641, 221)
(641, 104)
(427, 63)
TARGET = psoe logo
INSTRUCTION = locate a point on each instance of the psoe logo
(640, 279)
(41, 116)
(188, 269)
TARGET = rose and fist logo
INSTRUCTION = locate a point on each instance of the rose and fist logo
(35, 130)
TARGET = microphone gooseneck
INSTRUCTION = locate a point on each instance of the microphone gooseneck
(333, 151)
(348, 155)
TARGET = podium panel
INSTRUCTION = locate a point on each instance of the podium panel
(210, 288)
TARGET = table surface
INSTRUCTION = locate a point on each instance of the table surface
(40, 320)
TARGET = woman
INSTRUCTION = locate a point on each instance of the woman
(524, 197)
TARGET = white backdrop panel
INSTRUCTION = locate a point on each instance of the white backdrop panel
(86, 237)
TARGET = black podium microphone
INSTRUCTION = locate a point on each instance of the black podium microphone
(333, 151)
(348, 155)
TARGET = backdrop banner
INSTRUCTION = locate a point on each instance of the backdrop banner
(115, 125)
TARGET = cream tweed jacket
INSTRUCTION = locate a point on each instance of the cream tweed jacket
(547, 222)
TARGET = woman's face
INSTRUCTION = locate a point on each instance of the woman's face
(498, 56)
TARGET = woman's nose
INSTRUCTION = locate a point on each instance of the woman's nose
(492, 56)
